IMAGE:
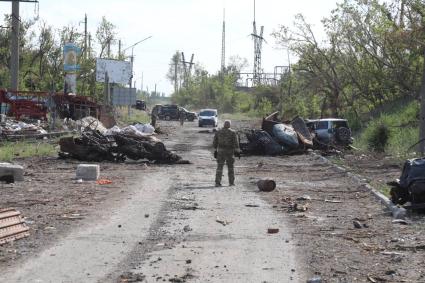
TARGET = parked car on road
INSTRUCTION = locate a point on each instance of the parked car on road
(208, 117)
(140, 105)
(171, 112)
(331, 130)
(190, 116)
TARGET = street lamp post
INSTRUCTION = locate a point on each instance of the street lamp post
(131, 62)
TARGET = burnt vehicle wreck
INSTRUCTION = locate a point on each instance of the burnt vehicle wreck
(411, 185)
(95, 146)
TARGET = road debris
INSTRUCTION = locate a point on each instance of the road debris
(222, 222)
(88, 172)
(94, 146)
(12, 226)
(357, 224)
(266, 185)
(103, 182)
(273, 230)
(315, 279)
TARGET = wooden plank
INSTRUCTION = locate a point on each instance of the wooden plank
(12, 226)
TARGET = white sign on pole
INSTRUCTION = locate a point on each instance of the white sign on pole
(119, 72)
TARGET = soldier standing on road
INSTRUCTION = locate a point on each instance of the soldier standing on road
(226, 146)
(182, 116)
(153, 119)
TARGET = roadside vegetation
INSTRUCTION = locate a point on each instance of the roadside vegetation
(136, 116)
(394, 132)
(11, 150)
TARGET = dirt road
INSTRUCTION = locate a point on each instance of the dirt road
(169, 223)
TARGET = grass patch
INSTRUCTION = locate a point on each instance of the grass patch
(137, 116)
(382, 188)
(403, 131)
(22, 149)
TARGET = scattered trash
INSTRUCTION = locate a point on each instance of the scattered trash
(304, 197)
(187, 228)
(131, 277)
(315, 279)
(103, 182)
(332, 201)
(400, 221)
(12, 226)
(357, 224)
(266, 185)
(222, 222)
(273, 230)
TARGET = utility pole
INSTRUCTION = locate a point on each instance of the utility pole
(422, 113)
(223, 44)
(85, 36)
(119, 49)
(187, 70)
(258, 41)
(176, 62)
(14, 58)
(14, 47)
(89, 50)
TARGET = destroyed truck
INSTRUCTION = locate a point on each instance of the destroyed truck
(330, 131)
(411, 185)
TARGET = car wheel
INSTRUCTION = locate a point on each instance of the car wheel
(191, 119)
(167, 118)
(199, 125)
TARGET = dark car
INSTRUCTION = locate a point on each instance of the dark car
(171, 112)
(190, 116)
(140, 105)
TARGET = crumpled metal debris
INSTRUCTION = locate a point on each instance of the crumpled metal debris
(95, 146)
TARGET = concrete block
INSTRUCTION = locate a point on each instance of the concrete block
(88, 172)
(8, 169)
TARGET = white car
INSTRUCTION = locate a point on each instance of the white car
(208, 117)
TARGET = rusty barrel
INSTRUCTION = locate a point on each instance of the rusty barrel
(266, 185)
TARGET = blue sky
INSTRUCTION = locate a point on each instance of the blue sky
(191, 26)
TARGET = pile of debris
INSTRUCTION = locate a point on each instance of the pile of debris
(10, 127)
(135, 142)
(276, 137)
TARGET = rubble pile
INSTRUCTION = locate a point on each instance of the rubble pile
(12, 127)
(276, 137)
(133, 142)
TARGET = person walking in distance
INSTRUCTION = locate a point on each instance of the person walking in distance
(182, 116)
(226, 146)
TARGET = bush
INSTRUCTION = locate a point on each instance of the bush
(378, 137)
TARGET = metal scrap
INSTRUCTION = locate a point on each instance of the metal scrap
(95, 146)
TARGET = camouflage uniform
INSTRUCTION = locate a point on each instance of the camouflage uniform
(182, 117)
(226, 143)
(153, 120)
